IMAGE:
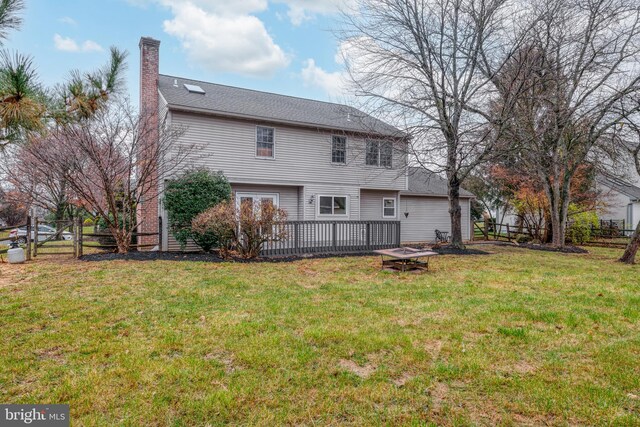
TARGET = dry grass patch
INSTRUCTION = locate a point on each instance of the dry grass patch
(514, 338)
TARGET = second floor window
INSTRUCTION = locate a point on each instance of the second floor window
(379, 153)
(339, 149)
(264, 142)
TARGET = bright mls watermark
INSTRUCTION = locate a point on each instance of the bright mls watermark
(34, 415)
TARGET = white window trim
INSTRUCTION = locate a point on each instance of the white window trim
(345, 215)
(346, 144)
(395, 207)
(255, 143)
(254, 195)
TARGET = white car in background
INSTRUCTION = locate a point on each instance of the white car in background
(44, 232)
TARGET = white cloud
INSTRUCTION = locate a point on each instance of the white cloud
(67, 44)
(333, 83)
(67, 20)
(225, 38)
(303, 10)
(91, 46)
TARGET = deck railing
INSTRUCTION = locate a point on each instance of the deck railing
(302, 237)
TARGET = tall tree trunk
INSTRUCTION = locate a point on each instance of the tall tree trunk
(629, 256)
(559, 197)
(455, 212)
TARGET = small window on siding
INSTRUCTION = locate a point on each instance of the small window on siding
(388, 208)
(378, 153)
(265, 142)
(339, 149)
(332, 205)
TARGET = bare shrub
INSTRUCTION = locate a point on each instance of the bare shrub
(244, 229)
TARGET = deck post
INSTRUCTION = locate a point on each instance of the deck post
(368, 235)
(334, 235)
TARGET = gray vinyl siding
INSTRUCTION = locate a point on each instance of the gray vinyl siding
(313, 191)
(371, 205)
(426, 214)
(174, 246)
(614, 204)
(301, 155)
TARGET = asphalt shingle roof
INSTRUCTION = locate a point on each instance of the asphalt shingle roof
(247, 103)
(423, 182)
(620, 186)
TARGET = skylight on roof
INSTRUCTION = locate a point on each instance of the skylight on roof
(194, 89)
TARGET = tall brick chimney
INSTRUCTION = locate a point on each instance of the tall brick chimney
(148, 209)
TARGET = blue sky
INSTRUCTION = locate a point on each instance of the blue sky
(283, 46)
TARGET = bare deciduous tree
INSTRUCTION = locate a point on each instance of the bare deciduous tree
(33, 183)
(12, 212)
(108, 165)
(580, 63)
(431, 67)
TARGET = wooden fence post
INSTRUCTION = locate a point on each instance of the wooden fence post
(160, 234)
(36, 227)
(508, 233)
(79, 234)
(28, 236)
(74, 232)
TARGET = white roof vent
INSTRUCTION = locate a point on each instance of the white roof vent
(194, 89)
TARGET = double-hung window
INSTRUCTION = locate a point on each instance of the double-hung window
(332, 205)
(379, 153)
(388, 207)
(339, 149)
(265, 142)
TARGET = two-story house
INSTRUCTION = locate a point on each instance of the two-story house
(317, 160)
(620, 201)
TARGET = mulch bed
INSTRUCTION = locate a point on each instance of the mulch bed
(549, 248)
(212, 257)
(195, 256)
(449, 250)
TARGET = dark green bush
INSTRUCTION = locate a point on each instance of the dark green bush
(191, 194)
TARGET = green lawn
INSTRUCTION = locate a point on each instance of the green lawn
(514, 338)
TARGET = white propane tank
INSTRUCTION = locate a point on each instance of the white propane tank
(15, 254)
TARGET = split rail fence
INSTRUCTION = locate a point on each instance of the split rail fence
(607, 233)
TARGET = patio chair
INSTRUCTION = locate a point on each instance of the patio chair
(442, 236)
